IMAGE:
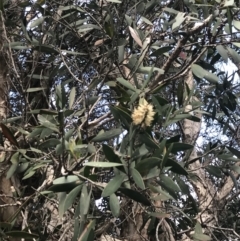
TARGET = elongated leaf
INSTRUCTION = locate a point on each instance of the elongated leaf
(126, 83)
(50, 143)
(168, 182)
(176, 167)
(113, 185)
(176, 147)
(72, 97)
(201, 237)
(223, 52)
(180, 18)
(114, 205)
(212, 78)
(83, 204)
(147, 164)
(66, 179)
(61, 198)
(102, 164)
(137, 178)
(37, 22)
(234, 151)
(43, 121)
(135, 36)
(161, 51)
(35, 89)
(12, 170)
(71, 197)
(21, 234)
(215, 171)
(114, 1)
(110, 155)
(108, 135)
(87, 231)
(136, 196)
(198, 71)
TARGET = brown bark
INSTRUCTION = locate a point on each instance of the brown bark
(203, 187)
(7, 204)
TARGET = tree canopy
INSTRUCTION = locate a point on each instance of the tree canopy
(119, 120)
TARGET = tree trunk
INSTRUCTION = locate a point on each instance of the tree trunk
(209, 198)
(8, 205)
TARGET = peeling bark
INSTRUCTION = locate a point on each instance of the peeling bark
(7, 203)
(203, 186)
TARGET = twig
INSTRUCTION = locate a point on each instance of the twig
(226, 229)
(178, 49)
(69, 70)
(157, 228)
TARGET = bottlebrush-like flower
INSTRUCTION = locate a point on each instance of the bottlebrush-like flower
(143, 114)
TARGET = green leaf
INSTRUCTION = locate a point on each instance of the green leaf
(71, 197)
(45, 122)
(114, 205)
(87, 232)
(35, 89)
(72, 97)
(234, 151)
(61, 198)
(212, 78)
(37, 76)
(60, 97)
(223, 52)
(179, 19)
(114, 1)
(49, 143)
(180, 210)
(198, 71)
(135, 36)
(178, 146)
(176, 167)
(183, 186)
(202, 73)
(36, 22)
(147, 164)
(234, 55)
(12, 170)
(146, 21)
(161, 51)
(84, 201)
(28, 175)
(166, 181)
(235, 169)
(126, 84)
(21, 234)
(113, 185)
(201, 237)
(102, 164)
(236, 44)
(137, 178)
(108, 135)
(66, 179)
(213, 170)
(110, 155)
(148, 140)
(136, 196)
(64, 187)
(180, 92)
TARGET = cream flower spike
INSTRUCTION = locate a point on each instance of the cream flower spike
(143, 114)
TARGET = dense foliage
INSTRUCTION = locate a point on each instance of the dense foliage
(100, 96)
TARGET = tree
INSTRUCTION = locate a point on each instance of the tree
(126, 103)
